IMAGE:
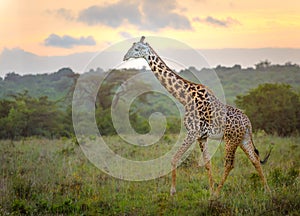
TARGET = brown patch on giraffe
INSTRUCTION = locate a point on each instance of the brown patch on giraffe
(177, 86)
(182, 93)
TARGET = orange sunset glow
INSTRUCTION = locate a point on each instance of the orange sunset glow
(202, 23)
(49, 28)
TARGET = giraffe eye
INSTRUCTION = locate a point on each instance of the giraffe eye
(136, 49)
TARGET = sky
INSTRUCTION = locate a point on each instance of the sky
(60, 28)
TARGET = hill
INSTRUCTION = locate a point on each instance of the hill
(55, 85)
(234, 80)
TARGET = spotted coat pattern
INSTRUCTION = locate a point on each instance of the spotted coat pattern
(205, 117)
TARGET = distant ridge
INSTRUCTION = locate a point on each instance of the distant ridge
(22, 62)
(249, 57)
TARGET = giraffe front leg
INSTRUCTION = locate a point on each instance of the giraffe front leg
(207, 162)
(173, 187)
(188, 141)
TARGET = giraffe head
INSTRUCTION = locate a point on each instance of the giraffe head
(138, 50)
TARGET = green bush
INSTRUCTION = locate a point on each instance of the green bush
(273, 108)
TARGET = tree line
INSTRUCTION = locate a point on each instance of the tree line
(23, 115)
(273, 108)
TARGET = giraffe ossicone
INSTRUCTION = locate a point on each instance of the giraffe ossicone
(206, 117)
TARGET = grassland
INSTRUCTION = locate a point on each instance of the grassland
(53, 177)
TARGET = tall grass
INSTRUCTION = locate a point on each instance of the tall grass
(53, 177)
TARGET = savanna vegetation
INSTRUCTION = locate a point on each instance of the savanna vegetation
(53, 177)
(44, 172)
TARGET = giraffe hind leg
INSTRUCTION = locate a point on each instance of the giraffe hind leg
(252, 153)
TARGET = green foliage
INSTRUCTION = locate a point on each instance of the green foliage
(273, 108)
(20, 207)
(284, 177)
(53, 177)
(141, 108)
(104, 121)
(55, 86)
(41, 104)
(25, 116)
(107, 91)
(43, 177)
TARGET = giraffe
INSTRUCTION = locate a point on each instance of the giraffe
(205, 117)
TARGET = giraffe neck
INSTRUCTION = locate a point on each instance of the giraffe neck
(174, 84)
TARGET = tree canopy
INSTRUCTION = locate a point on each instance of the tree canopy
(274, 108)
(24, 115)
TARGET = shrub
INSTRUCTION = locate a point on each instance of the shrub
(273, 108)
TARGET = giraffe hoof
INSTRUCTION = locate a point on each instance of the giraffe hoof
(172, 191)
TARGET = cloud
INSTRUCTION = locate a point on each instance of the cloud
(146, 14)
(112, 15)
(125, 34)
(67, 41)
(67, 14)
(160, 14)
(218, 22)
(62, 13)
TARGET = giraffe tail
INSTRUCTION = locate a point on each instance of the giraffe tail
(257, 152)
(266, 157)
